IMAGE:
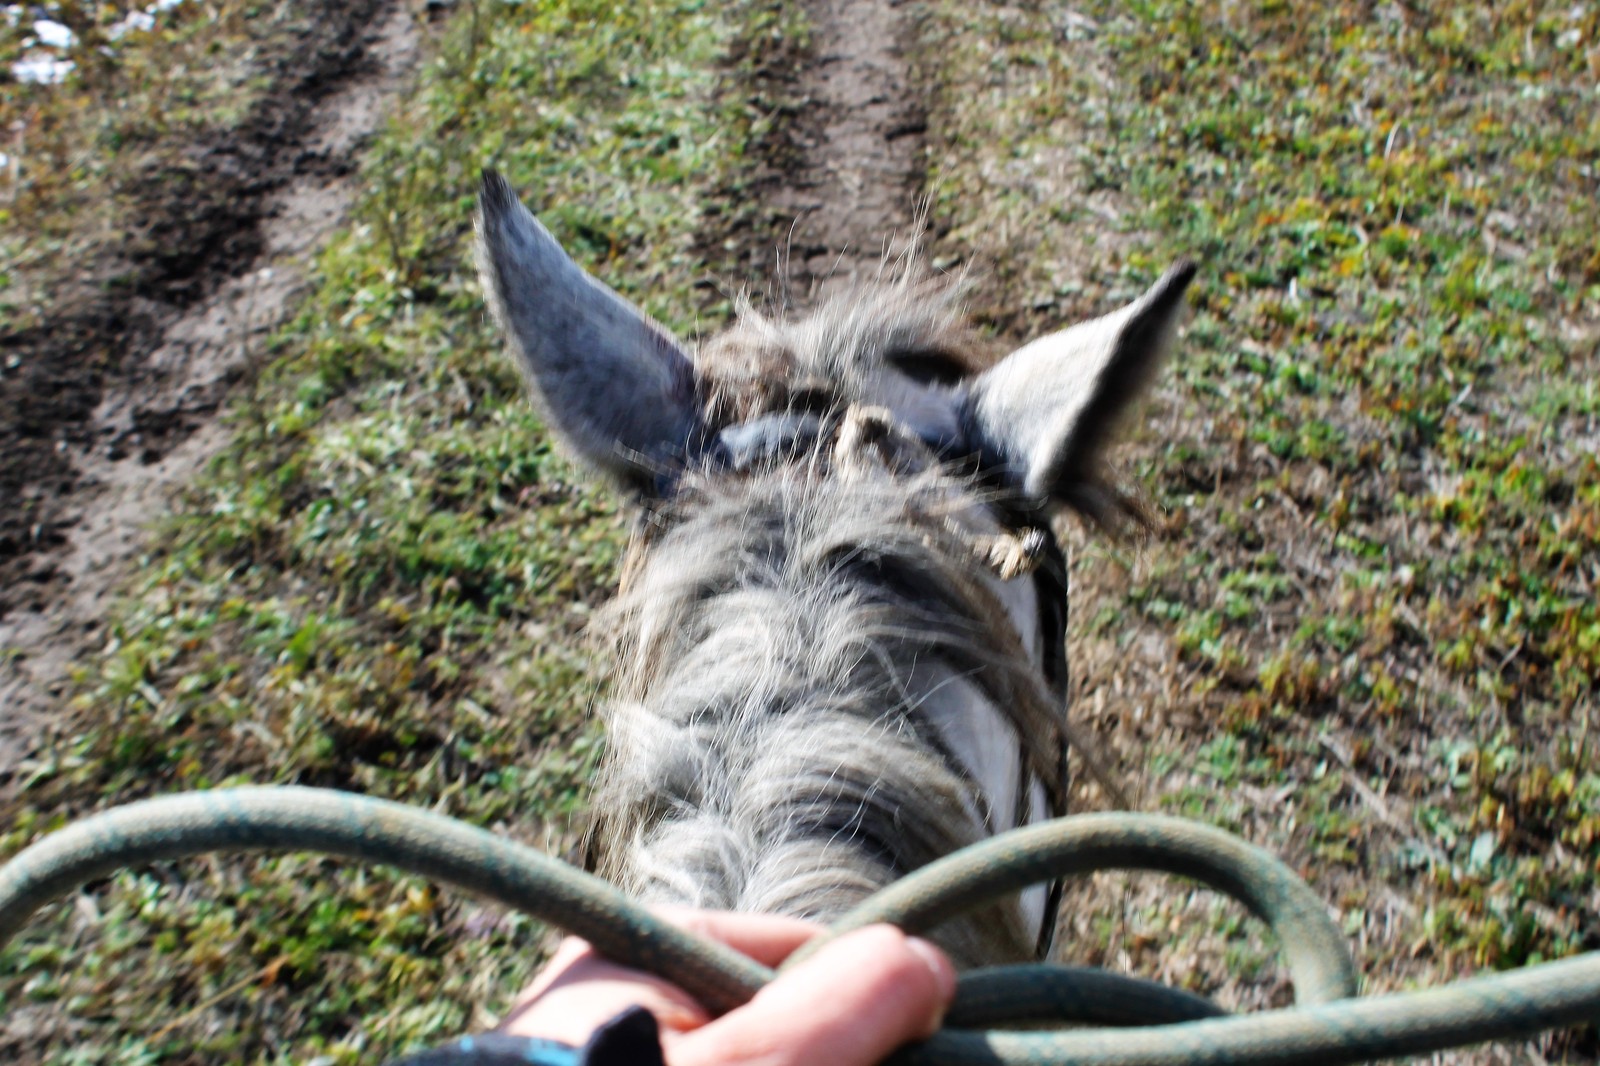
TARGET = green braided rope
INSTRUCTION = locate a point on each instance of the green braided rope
(1318, 961)
(1330, 1029)
(1503, 1007)
(377, 831)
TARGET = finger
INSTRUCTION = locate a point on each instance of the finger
(580, 991)
(766, 938)
(851, 1004)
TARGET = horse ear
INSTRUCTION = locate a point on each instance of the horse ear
(614, 385)
(1045, 411)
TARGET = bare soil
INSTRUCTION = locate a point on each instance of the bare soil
(838, 187)
(116, 399)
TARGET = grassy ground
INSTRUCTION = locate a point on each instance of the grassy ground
(140, 123)
(382, 582)
(86, 139)
(1364, 632)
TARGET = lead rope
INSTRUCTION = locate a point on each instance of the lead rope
(1327, 1026)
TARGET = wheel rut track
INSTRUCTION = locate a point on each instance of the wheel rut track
(114, 403)
(839, 175)
(117, 406)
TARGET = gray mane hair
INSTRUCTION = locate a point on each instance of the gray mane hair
(767, 750)
(841, 616)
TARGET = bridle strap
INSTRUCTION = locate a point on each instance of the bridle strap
(1051, 588)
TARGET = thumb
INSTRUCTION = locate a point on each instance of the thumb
(852, 1003)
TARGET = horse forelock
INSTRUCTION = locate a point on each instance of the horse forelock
(765, 362)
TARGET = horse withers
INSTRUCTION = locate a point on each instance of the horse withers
(839, 640)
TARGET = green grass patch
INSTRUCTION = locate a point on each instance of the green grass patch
(1374, 455)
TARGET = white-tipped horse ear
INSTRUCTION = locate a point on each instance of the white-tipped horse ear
(614, 386)
(1045, 411)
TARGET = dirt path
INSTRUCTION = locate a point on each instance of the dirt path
(844, 171)
(121, 456)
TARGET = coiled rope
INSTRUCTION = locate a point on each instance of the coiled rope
(1328, 1026)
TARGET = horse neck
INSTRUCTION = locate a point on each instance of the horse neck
(814, 705)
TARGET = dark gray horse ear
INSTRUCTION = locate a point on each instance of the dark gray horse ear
(1045, 411)
(615, 386)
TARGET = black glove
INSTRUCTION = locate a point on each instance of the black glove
(630, 1039)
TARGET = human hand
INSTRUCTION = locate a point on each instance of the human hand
(851, 1004)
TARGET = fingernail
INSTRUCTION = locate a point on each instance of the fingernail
(944, 975)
